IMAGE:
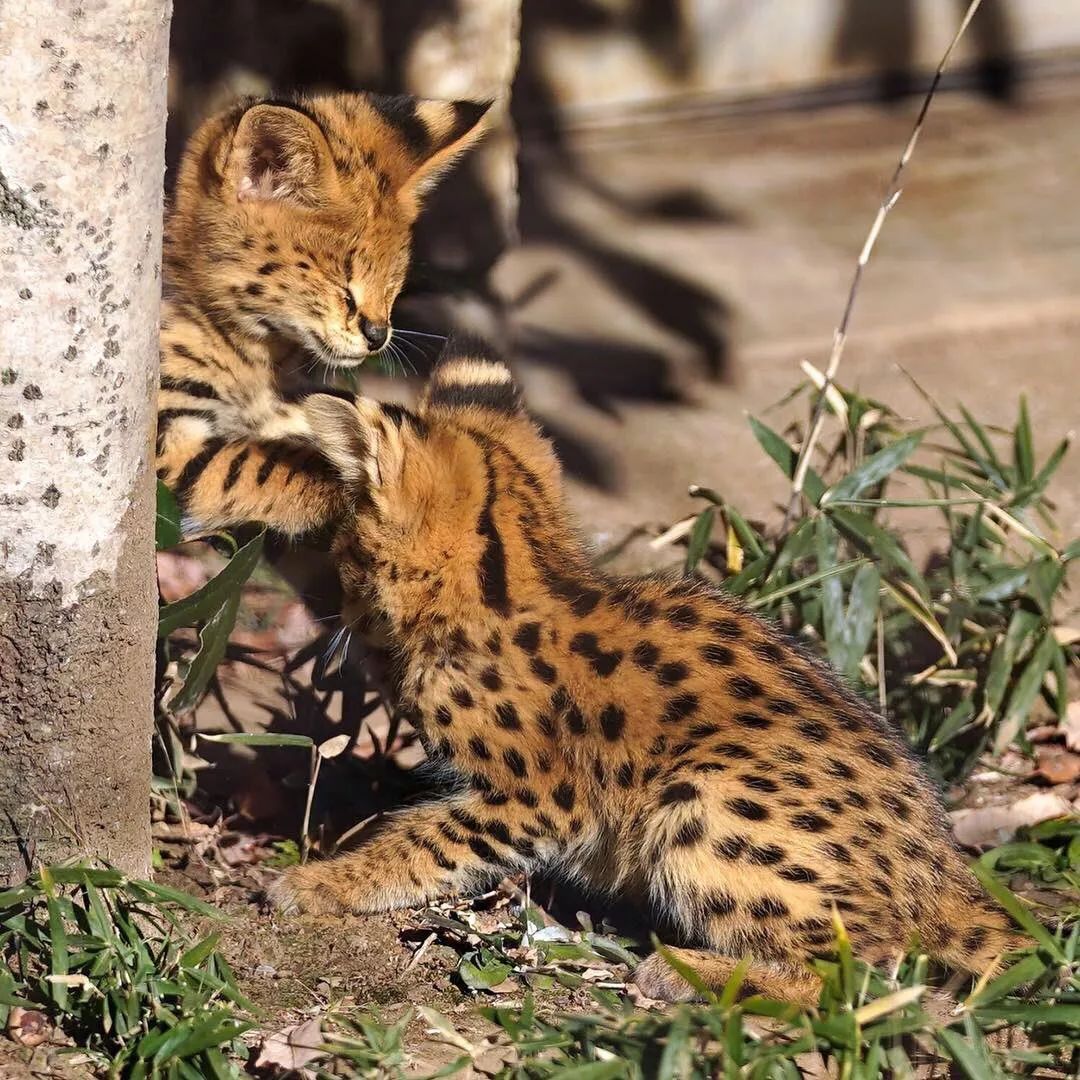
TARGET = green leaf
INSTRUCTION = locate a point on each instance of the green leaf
(765, 599)
(1027, 970)
(1016, 908)
(58, 942)
(205, 602)
(874, 469)
(1023, 446)
(787, 459)
(167, 530)
(1026, 691)
(970, 1054)
(878, 544)
(698, 543)
(213, 642)
(1022, 626)
(594, 1070)
(260, 738)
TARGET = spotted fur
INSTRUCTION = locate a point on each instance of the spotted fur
(287, 244)
(649, 739)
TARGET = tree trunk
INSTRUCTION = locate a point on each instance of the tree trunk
(82, 123)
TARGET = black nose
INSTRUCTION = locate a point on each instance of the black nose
(376, 335)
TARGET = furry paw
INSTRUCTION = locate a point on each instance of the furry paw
(299, 891)
(656, 979)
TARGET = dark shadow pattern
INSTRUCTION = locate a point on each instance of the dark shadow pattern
(885, 34)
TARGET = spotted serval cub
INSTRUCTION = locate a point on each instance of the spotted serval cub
(649, 739)
(288, 243)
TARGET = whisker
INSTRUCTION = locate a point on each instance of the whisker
(419, 333)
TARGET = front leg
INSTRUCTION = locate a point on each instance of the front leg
(454, 845)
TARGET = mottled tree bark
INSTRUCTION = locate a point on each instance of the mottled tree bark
(82, 123)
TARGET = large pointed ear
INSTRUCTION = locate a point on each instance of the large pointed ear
(469, 375)
(343, 436)
(279, 152)
(435, 134)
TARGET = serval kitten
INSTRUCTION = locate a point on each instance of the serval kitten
(287, 244)
(649, 739)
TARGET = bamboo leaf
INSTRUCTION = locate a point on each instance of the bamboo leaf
(874, 469)
(205, 602)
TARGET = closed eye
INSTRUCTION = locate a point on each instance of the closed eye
(350, 304)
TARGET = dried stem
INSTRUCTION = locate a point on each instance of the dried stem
(892, 195)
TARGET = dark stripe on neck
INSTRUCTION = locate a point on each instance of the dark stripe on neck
(492, 567)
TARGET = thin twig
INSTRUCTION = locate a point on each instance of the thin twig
(892, 195)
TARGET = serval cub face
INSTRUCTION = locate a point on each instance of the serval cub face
(648, 738)
(288, 243)
(295, 216)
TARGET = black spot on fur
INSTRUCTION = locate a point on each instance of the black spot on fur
(444, 716)
(769, 650)
(506, 716)
(720, 655)
(726, 629)
(744, 688)
(479, 748)
(782, 707)
(768, 907)
(680, 792)
(729, 847)
(602, 662)
(689, 833)
(612, 722)
(679, 708)
(683, 617)
(515, 763)
(461, 697)
(809, 822)
(897, 805)
(760, 783)
(837, 852)
(841, 770)
(719, 904)
(564, 796)
(798, 873)
(672, 673)
(735, 751)
(747, 808)
(645, 655)
(767, 855)
(527, 637)
(624, 775)
(492, 566)
(575, 721)
(753, 720)
(813, 730)
(490, 678)
(543, 670)
(879, 754)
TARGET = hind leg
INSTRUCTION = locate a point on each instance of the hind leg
(781, 980)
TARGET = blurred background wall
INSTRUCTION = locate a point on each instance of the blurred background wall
(664, 224)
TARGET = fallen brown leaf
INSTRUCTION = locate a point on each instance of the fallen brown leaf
(1058, 765)
(292, 1048)
(1070, 726)
(997, 824)
(28, 1027)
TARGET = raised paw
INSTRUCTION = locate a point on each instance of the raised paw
(657, 979)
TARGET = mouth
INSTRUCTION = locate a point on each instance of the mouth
(332, 356)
